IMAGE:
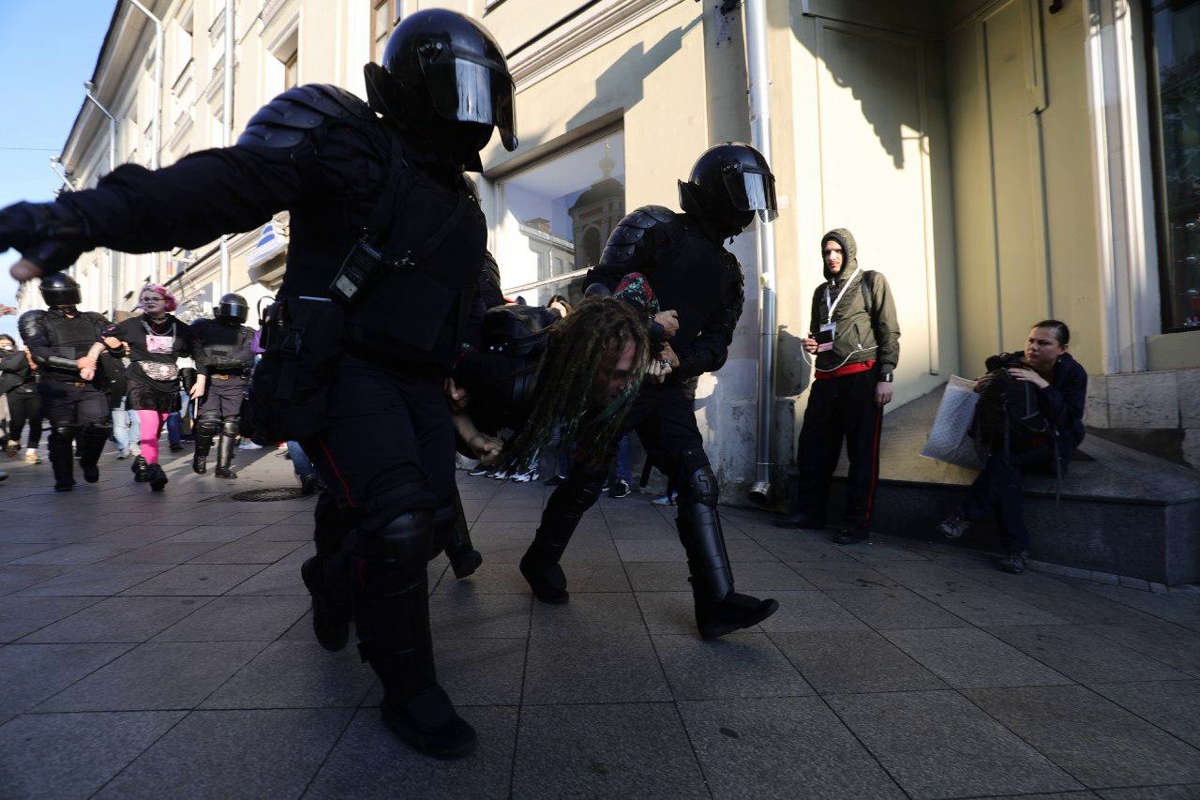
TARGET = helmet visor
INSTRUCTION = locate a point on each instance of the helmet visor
(753, 191)
(468, 91)
(233, 310)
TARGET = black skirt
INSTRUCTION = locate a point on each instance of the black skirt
(143, 397)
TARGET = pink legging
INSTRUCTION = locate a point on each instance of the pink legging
(151, 423)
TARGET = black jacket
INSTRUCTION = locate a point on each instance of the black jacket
(1063, 403)
(15, 373)
(690, 273)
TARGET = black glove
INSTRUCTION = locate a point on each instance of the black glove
(187, 376)
(50, 235)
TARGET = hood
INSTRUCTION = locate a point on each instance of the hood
(849, 248)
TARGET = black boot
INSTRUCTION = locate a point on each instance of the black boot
(140, 469)
(331, 611)
(156, 477)
(391, 610)
(464, 558)
(566, 507)
(226, 447)
(62, 458)
(719, 609)
(92, 445)
(207, 427)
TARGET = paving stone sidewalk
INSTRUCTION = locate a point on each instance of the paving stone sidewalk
(159, 646)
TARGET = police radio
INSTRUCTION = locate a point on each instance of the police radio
(362, 267)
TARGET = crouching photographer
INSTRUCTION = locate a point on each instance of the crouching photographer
(1029, 418)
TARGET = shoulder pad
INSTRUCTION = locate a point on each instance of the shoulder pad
(635, 224)
(30, 323)
(96, 318)
(283, 122)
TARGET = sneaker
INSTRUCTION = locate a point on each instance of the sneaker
(122, 455)
(526, 477)
(32, 457)
(249, 445)
(621, 489)
(851, 535)
(12, 448)
(478, 471)
(309, 484)
(954, 526)
(502, 475)
(176, 446)
(665, 499)
(1013, 562)
(3, 475)
(800, 521)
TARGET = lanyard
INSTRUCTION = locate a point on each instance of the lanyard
(829, 307)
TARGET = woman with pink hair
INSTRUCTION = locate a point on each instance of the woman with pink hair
(160, 350)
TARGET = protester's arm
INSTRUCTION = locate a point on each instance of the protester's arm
(710, 349)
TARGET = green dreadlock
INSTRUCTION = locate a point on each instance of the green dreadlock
(599, 328)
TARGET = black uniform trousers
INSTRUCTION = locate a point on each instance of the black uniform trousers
(664, 418)
(223, 396)
(388, 449)
(25, 406)
(840, 409)
(67, 403)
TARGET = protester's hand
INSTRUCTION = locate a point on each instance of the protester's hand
(883, 393)
(456, 395)
(669, 320)
(197, 390)
(4, 310)
(25, 270)
(1029, 376)
(112, 342)
(87, 373)
(86, 363)
(658, 371)
(668, 355)
(487, 449)
(810, 345)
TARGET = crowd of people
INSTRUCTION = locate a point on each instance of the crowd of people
(390, 347)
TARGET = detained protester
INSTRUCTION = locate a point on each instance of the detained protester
(387, 245)
(856, 340)
(161, 351)
(18, 386)
(1028, 419)
(223, 355)
(66, 343)
(691, 273)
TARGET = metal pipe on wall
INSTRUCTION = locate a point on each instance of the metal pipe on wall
(156, 128)
(760, 130)
(114, 289)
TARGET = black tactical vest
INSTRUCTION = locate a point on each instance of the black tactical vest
(226, 347)
(689, 278)
(70, 337)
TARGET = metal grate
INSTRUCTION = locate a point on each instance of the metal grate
(269, 495)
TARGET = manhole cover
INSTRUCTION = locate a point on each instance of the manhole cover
(269, 495)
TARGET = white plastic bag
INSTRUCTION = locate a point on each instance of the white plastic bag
(949, 439)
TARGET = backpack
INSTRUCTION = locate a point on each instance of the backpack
(1008, 413)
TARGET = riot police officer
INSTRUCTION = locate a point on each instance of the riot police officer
(387, 244)
(682, 257)
(66, 343)
(223, 352)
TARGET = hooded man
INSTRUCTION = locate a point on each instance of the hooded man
(856, 340)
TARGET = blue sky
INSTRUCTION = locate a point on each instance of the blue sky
(47, 51)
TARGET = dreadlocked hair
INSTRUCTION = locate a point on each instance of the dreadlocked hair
(598, 328)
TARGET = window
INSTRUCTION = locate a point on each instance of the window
(384, 16)
(555, 217)
(1173, 32)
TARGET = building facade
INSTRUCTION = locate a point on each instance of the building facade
(1001, 161)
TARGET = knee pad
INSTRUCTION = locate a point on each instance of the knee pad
(230, 427)
(403, 543)
(208, 426)
(699, 479)
(63, 433)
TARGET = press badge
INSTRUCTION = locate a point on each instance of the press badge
(825, 336)
(159, 345)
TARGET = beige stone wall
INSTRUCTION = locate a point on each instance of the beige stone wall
(1025, 215)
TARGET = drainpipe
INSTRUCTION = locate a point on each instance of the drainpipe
(227, 133)
(114, 281)
(760, 132)
(156, 129)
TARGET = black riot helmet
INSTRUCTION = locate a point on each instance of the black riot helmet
(445, 81)
(728, 184)
(60, 289)
(232, 310)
